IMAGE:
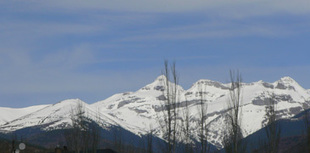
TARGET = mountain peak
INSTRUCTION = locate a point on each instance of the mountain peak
(157, 84)
(287, 79)
(206, 82)
(69, 102)
(161, 78)
(287, 83)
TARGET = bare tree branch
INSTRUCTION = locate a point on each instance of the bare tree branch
(232, 139)
(202, 108)
(168, 121)
(272, 129)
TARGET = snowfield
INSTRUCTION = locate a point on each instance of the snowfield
(139, 111)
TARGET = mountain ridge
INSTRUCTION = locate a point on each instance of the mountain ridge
(144, 105)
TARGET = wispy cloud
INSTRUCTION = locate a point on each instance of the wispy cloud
(216, 19)
(60, 72)
(218, 30)
(227, 7)
(104, 47)
(33, 31)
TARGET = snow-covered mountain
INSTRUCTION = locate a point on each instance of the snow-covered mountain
(138, 111)
(9, 114)
(56, 116)
(142, 108)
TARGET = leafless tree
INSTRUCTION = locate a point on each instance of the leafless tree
(272, 128)
(91, 136)
(84, 134)
(94, 133)
(232, 139)
(187, 133)
(202, 124)
(168, 122)
(74, 135)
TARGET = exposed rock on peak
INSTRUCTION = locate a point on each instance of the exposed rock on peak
(205, 82)
(287, 79)
(136, 111)
(286, 83)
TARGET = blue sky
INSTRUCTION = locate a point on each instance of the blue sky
(55, 50)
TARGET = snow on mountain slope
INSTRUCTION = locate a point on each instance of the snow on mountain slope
(142, 108)
(56, 116)
(9, 114)
(288, 93)
(139, 111)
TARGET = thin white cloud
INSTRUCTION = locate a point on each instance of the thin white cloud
(26, 66)
(218, 30)
(40, 29)
(69, 58)
(100, 23)
(224, 7)
(26, 76)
